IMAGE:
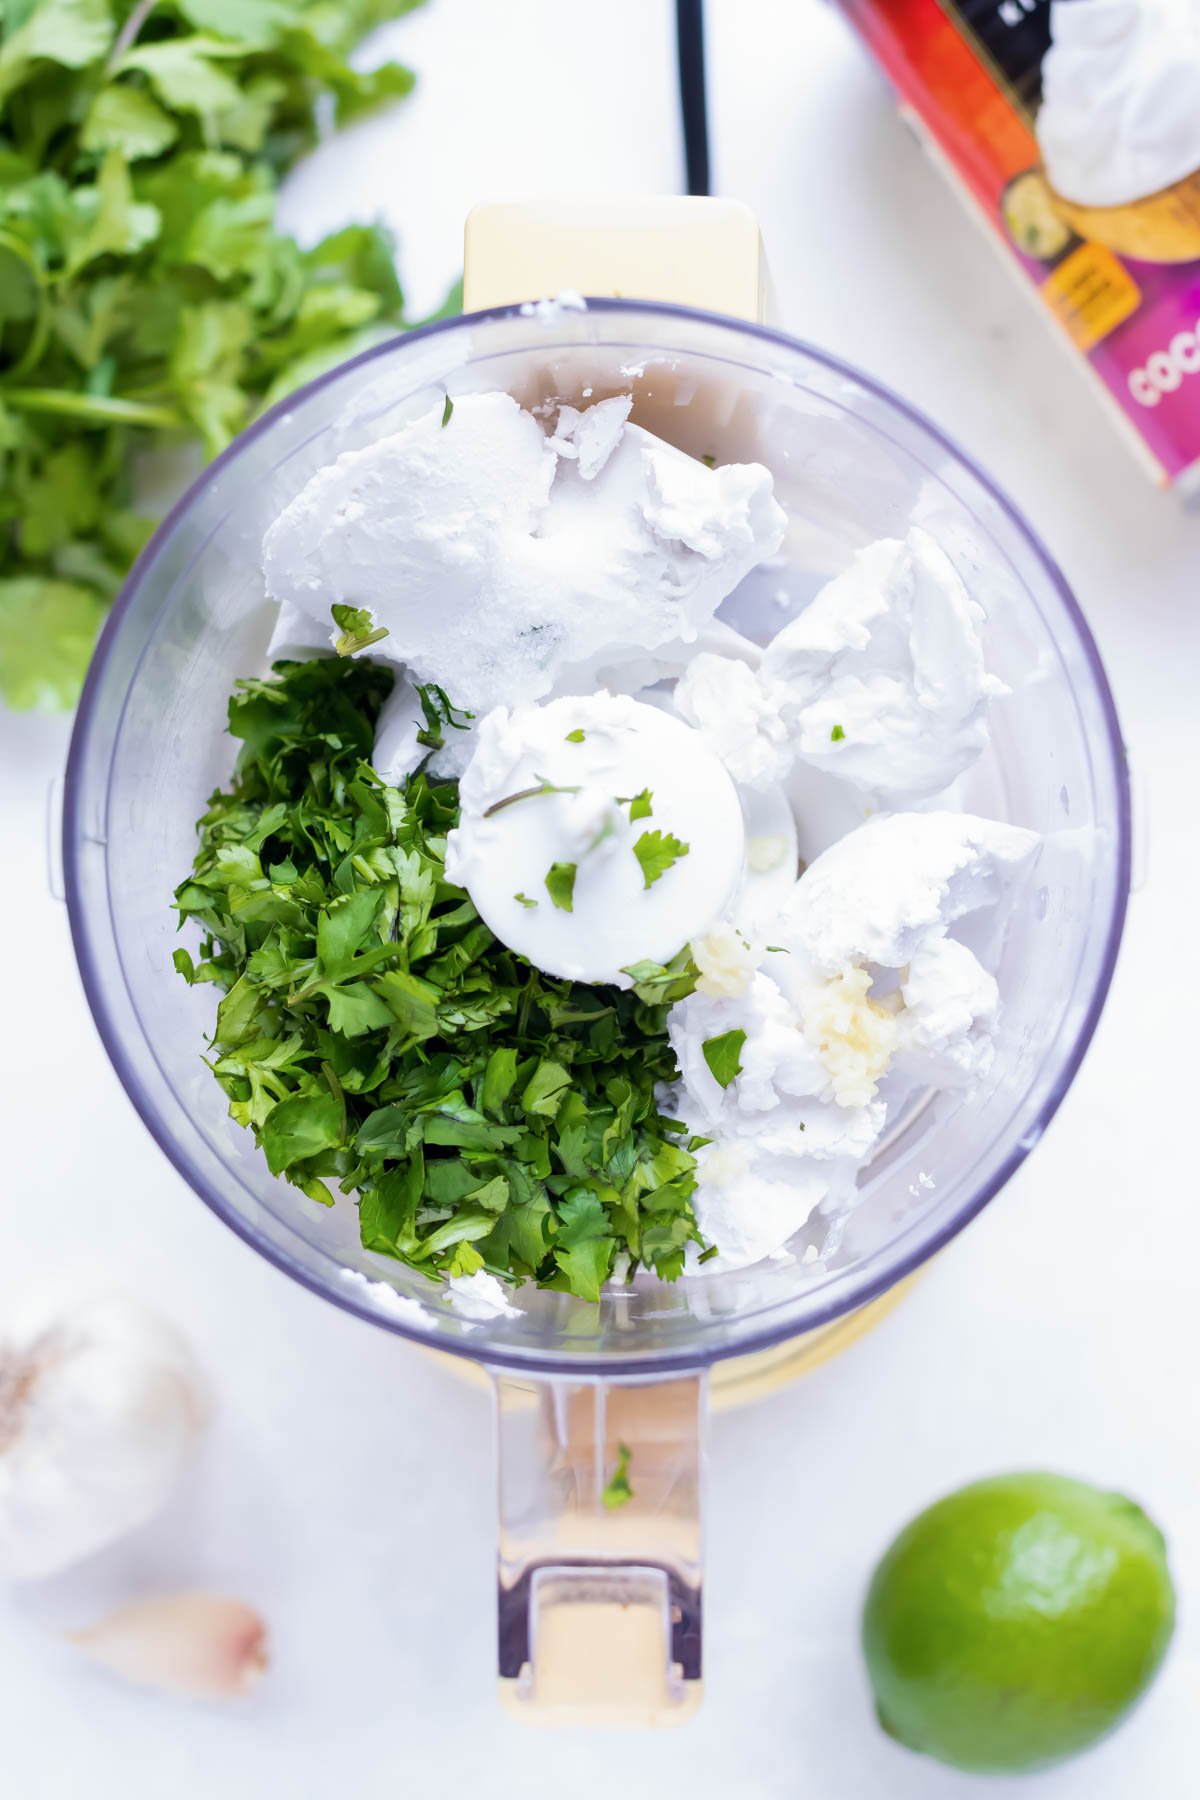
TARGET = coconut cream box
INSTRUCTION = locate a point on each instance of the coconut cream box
(1074, 126)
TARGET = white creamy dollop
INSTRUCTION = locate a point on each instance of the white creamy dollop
(601, 752)
(295, 636)
(739, 716)
(480, 1297)
(384, 1296)
(589, 438)
(1120, 113)
(493, 556)
(951, 1007)
(877, 894)
(803, 1112)
(879, 681)
(398, 749)
(753, 1194)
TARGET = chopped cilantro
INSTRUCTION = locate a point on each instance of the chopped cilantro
(707, 1255)
(576, 736)
(638, 804)
(148, 300)
(709, 460)
(524, 900)
(657, 851)
(560, 884)
(438, 712)
(617, 1491)
(778, 950)
(663, 984)
(447, 412)
(836, 735)
(724, 1055)
(379, 1041)
(357, 627)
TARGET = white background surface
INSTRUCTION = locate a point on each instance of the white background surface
(347, 1485)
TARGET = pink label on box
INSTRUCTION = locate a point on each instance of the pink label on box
(1151, 363)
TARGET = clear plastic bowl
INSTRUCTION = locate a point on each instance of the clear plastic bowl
(851, 463)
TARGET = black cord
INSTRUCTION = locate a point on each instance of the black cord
(689, 36)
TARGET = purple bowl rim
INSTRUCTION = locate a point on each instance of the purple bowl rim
(669, 1361)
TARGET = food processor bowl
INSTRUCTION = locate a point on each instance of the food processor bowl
(851, 463)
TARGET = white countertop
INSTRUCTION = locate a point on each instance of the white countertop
(347, 1485)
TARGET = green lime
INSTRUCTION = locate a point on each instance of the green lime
(1016, 1622)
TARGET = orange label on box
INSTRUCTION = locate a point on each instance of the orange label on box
(1090, 292)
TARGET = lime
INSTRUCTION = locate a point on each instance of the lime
(1016, 1622)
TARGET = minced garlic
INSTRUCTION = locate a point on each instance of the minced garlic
(725, 962)
(854, 1035)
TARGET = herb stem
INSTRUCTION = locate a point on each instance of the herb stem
(40, 330)
(529, 793)
(99, 409)
(127, 36)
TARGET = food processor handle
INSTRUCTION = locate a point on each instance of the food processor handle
(600, 1565)
(601, 1551)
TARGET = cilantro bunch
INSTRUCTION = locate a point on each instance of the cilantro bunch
(145, 296)
(375, 1036)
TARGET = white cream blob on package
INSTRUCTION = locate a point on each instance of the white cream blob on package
(1120, 112)
(1082, 150)
(624, 780)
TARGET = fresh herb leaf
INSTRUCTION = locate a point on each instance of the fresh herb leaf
(616, 1490)
(524, 900)
(560, 884)
(662, 984)
(357, 627)
(147, 301)
(466, 1260)
(836, 735)
(545, 1089)
(47, 630)
(657, 851)
(723, 1055)
(300, 1127)
(127, 118)
(576, 736)
(709, 460)
(447, 412)
(499, 1079)
(438, 711)
(584, 1243)
(638, 804)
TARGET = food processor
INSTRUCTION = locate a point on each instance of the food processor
(599, 1604)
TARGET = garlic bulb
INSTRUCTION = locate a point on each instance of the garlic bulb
(100, 1401)
(204, 1645)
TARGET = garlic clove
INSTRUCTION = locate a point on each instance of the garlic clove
(101, 1402)
(204, 1646)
